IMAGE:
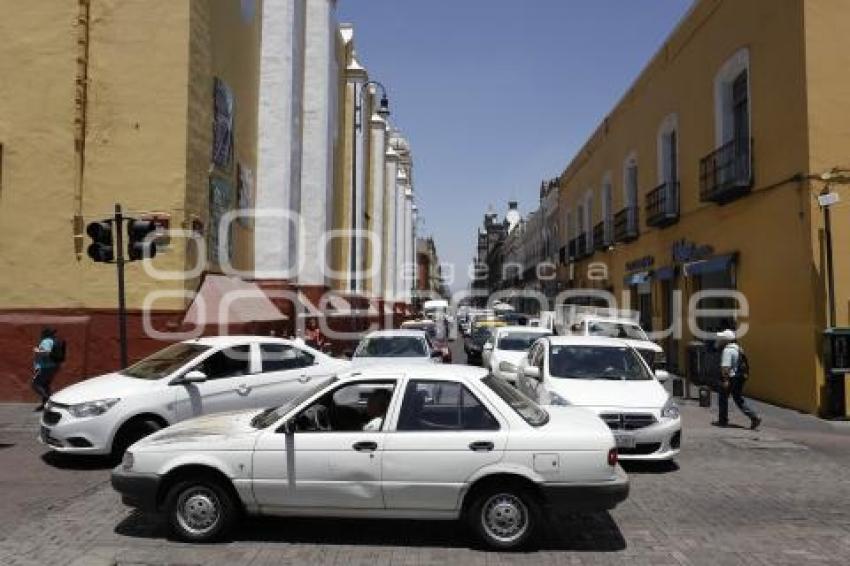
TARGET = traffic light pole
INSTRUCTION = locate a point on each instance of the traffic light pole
(119, 263)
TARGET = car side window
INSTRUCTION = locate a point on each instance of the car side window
(442, 406)
(227, 362)
(280, 357)
(360, 406)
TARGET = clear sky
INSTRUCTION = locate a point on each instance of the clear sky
(497, 95)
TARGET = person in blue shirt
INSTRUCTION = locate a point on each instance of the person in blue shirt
(731, 381)
(44, 366)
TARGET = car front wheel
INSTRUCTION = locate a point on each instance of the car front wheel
(505, 518)
(200, 510)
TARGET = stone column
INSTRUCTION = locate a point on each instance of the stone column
(401, 228)
(408, 243)
(390, 216)
(377, 151)
(278, 178)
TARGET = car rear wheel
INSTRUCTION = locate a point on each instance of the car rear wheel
(200, 510)
(505, 518)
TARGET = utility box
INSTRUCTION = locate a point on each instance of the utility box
(836, 363)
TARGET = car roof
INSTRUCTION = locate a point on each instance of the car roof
(525, 329)
(395, 333)
(453, 372)
(598, 318)
(602, 341)
(216, 341)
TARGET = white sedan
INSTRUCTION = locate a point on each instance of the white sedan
(609, 377)
(411, 442)
(396, 346)
(105, 414)
(503, 352)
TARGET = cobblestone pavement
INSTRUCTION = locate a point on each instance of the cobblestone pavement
(773, 497)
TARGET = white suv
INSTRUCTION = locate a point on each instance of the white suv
(416, 441)
(106, 414)
(609, 377)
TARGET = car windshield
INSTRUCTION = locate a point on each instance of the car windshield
(530, 411)
(518, 341)
(613, 363)
(616, 330)
(392, 347)
(166, 361)
(481, 335)
(274, 414)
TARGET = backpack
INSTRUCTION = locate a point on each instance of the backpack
(57, 354)
(743, 368)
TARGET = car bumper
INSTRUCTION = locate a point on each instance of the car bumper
(658, 442)
(136, 489)
(62, 432)
(603, 496)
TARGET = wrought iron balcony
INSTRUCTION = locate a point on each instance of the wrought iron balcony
(662, 205)
(601, 241)
(727, 173)
(626, 224)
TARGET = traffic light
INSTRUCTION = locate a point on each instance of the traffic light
(139, 245)
(101, 249)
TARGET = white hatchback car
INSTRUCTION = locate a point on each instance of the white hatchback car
(609, 377)
(503, 352)
(395, 346)
(105, 414)
(416, 441)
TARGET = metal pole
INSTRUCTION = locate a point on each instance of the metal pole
(119, 264)
(827, 232)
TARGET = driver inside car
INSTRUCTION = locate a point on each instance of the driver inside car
(376, 409)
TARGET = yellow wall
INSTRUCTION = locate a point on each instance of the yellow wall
(770, 228)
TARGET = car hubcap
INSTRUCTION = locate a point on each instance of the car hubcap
(198, 510)
(505, 517)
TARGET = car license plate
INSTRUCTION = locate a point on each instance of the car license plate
(625, 440)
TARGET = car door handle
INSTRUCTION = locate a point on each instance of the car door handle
(481, 446)
(304, 379)
(365, 446)
(243, 390)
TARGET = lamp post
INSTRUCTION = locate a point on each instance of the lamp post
(383, 112)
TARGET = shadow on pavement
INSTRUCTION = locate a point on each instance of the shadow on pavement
(588, 533)
(77, 462)
(638, 467)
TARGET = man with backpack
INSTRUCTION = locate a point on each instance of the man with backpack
(734, 371)
(48, 356)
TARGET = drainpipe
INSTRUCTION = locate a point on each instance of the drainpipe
(80, 104)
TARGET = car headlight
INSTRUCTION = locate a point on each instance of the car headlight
(670, 409)
(92, 408)
(127, 461)
(555, 399)
(507, 367)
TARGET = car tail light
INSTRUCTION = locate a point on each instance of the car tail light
(612, 457)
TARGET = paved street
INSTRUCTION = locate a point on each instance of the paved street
(773, 497)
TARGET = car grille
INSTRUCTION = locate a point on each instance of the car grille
(628, 421)
(642, 449)
(51, 417)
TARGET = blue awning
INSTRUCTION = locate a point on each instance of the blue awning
(636, 278)
(665, 273)
(711, 265)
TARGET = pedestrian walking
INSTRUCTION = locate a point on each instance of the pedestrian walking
(48, 356)
(734, 371)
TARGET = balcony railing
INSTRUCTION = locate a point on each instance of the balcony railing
(626, 224)
(601, 241)
(662, 205)
(727, 173)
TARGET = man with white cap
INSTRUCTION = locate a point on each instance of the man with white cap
(733, 374)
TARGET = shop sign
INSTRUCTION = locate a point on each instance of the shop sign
(684, 251)
(640, 264)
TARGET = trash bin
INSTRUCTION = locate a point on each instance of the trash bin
(836, 366)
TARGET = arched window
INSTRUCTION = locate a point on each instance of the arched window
(607, 207)
(668, 151)
(732, 99)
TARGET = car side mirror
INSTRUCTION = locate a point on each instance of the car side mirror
(662, 375)
(532, 372)
(192, 376)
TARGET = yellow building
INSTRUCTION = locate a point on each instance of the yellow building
(705, 176)
(150, 104)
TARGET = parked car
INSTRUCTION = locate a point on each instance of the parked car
(106, 414)
(502, 353)
(437, 336)
(612, 379)
(461, 445)
(624, 329)
(397, 346)
(473, 344)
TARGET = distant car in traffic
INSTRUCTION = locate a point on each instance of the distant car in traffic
(105, 414)
(395, 346)
(473, 344)
(503, 352)
(609, 377)
(437, 336)
(409, 442)
(626, 330)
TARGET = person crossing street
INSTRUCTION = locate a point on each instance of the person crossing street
(47, 358)
(734, 370)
